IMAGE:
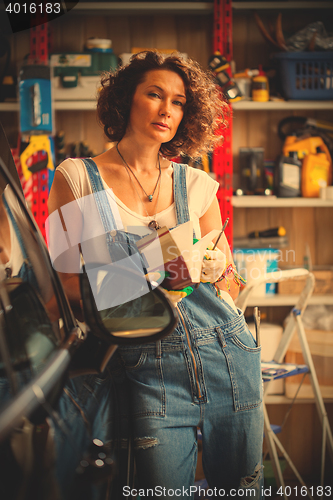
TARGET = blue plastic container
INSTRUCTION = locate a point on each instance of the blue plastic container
(306, 75)
(255, 263)
(35, 99)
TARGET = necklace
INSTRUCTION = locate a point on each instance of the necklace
(153, 224)
(149, 196)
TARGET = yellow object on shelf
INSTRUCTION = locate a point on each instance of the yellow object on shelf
(304, 146)
(316, 173)
(260, 88)
(36, 143)
(316, 163)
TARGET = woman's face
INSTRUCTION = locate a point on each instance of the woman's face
(157, 106)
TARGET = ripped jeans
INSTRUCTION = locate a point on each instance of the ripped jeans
(215, 386)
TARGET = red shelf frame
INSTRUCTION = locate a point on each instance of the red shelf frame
(222, 156)
(39, 50)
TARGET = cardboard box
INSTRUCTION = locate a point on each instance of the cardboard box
(323, 283)
(86, 88)
(321, 348)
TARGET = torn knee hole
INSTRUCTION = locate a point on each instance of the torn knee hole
(145, 442)
(253, 478)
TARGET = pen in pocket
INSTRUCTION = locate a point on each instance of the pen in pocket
(256, 316)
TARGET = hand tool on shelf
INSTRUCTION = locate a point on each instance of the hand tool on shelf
(278, 40)
(268, 233)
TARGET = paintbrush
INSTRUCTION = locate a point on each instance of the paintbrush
(219, 236)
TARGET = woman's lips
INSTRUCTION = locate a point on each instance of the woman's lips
(161, 126)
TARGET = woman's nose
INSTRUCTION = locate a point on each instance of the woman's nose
(165, 108)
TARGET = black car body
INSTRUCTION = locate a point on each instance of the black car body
(42, 345)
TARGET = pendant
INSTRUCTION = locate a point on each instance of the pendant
(150, 197)
(8, 272)
(153, 224)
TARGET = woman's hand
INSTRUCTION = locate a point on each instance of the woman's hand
(214, 264)
(212, 220)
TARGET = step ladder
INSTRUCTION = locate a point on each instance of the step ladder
(293, 323)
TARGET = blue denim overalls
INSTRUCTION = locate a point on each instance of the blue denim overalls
(205, 374)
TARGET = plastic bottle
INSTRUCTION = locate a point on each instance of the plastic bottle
(288, 176)
(260, 87)
(316, 173)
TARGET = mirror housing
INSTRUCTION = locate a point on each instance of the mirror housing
(147, 318)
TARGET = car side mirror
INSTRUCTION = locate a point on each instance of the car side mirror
(146, 318)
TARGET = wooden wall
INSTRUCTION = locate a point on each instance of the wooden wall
(313, 226)
(192, 34)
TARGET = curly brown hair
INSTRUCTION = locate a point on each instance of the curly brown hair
(204, 110)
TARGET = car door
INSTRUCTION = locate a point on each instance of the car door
(42, 344)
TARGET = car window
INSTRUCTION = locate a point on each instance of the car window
(31, 326)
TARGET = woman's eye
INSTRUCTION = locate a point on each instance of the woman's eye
(178, 103)
(154, 94)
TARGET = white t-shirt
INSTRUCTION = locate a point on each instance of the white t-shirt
(201, 190)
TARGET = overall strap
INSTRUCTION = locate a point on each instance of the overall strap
(180, 193)
(100, 196)
(105, 212)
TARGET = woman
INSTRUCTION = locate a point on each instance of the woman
(207, 372)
